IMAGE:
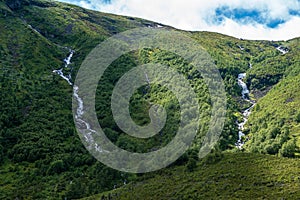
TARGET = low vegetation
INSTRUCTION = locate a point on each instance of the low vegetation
(234, 176)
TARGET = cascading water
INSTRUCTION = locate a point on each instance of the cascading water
(34, 30)
(85, 126)
(283, 50)
(245, 91)
(67, 65)
(247, 112)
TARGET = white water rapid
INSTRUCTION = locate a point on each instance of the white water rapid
(85, 127)
(282, 50)
(245, 91)
(245, 113)
(67, 65)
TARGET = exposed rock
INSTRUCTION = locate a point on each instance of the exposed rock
(261, 93)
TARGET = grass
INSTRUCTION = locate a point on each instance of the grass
(236, 176)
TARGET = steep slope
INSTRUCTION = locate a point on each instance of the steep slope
(41, 155)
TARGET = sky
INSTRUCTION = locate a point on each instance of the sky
(247, 19)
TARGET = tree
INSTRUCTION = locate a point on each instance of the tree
(191, 165)
(56, 167)
(297, 118)
(1, 153)
(288, 149)
(214, 157)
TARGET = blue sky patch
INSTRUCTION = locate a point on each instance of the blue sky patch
(294, 12)
(246, 16)
(275, 23)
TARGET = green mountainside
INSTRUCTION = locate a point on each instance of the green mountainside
(42, 157)
(235, 176)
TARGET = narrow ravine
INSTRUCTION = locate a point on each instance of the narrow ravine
(78, 116)
(245, 95)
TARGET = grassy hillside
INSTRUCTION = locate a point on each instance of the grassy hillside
(235, 176)
(41, 155)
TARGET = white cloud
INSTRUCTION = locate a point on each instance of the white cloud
(284, 31)
(195, 15)
(85, 4)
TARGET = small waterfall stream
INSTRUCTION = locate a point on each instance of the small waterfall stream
(245, 113)
(84, 126)
(283, 50)
(245, 91)
(67, 65)
(245, 95)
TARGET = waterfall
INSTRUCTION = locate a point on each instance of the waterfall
(67, 62)
(84, 126)
(245, 91)
(245, 113)
(283, 50)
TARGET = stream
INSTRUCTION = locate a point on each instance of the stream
(79, 112)
(85, 127)
(67, 62)
(283, 50)
(245, 94)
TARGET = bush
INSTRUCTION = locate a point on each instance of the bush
(274, 132)
(1, 153)
(288, 149)
(297, 118)
(214, 157)
(56, 167)
(272, 148)
(191, 165)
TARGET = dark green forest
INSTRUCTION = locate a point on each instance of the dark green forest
(42, 156)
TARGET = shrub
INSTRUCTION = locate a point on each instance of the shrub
(288, 149)
(191, 165)
(1, 153)
(56, 167)
(272, 148)
(214, 157)
(297, 118)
